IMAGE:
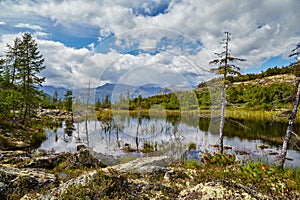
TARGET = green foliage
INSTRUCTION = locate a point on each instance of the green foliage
(192, 146)
(98, 105)
(68, 101)
(218, 159)
(149, 147)
(106, 102)
(256, 171)
(173, 103)
(192, 164)
(19, 79)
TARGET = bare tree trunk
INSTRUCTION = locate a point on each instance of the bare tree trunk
(289, 129)
(86, 115)
(222, 122)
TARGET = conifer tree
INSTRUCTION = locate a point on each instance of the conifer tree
(225, 68)
(31, 63)
(23, 65)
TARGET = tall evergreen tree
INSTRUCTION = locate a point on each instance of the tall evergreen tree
(13, 61)
(106, 103)
(12, 96)
(23, 64)
(225, 68)
(68, 101)
(31, 63)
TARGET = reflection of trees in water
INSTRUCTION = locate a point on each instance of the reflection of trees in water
(268, 131)
(68, 130)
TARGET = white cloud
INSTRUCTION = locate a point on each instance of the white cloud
(29, 26)
(39, 34)
(260, 30)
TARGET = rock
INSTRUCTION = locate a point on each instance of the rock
(84, 157)
(17, 182)
(140, 165)
(13, 154)
(144, 165)
(54, 193)
(218, 190)
(81, 146)
(46, 162)
(107, 160)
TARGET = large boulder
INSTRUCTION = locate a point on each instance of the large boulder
(144, 165)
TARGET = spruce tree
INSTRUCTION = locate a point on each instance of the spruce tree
(31, 63)
(225, 68)
(23, 64)
(68, 101)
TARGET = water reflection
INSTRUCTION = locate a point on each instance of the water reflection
(170, 135)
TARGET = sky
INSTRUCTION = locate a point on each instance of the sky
(139, 42)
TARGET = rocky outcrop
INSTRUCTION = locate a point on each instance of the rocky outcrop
(144, 165)
(84, 157)
(140, 165)
(17, 182)
(47, 161)
(23, 176)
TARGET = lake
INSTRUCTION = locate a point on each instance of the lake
(128, 134)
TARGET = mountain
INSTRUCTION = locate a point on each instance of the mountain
(115, 90)
(112, 90)
(50, 90)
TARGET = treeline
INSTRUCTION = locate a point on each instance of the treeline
(172, 101)
(105, 104)
(274, 96)
(266, 97)
(19, 79)
(293, 69)
(56, 102)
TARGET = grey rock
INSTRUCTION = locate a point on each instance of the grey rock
(46, 162)
(15, 180)
(144, 165)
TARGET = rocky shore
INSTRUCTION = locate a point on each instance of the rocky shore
(90, 175)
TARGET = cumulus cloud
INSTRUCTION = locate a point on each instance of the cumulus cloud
(29, 26)
(179, 36)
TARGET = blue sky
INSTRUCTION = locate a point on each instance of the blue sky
(106, 41)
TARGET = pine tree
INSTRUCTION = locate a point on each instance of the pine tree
(20, 80)
(106, 102)
(225, 68)
(55, 99)
(68, 101)
(30, 64)
(12, 96)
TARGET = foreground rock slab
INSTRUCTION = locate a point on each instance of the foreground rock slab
(14, 180)
(144, 165)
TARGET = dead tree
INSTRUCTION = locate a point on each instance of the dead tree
(289, 130)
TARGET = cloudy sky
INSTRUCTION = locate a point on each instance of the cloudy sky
(137, 42)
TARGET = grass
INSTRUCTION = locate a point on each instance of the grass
(232, 112)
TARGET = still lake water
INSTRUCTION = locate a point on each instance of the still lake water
(170, 135)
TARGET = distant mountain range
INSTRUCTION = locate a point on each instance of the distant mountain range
(112, 90)
(50, 90)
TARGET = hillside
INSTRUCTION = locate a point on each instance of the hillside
(280, 78)
(269, 90)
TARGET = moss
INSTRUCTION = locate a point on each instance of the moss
(192, 146)
(20, 187)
